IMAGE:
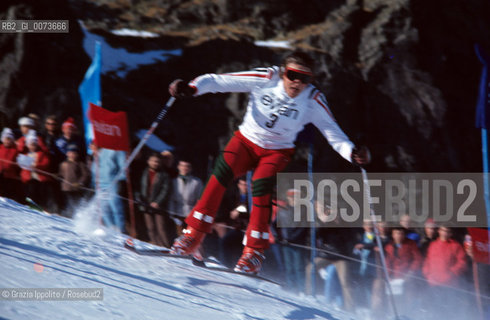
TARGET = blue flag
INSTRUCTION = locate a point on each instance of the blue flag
(90, 92)
(483, 104)
(154, 142)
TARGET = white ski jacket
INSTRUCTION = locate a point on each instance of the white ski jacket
(273, 119)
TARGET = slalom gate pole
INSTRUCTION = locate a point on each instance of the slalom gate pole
(132, 214)
(486, 195)
(486, 183)
(97, 187)
(476, 282)
(378, 240)
(312, 226)
(143, 140)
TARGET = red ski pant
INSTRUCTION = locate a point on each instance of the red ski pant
(240, 156)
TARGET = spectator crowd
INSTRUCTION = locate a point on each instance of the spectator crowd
(33, 162)
(50, 168)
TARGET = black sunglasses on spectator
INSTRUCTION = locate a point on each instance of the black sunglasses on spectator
(293, 74)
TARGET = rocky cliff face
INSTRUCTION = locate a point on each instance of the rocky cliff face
(40, 72)
(400, 75)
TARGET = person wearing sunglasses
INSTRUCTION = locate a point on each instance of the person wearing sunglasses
(282, 101)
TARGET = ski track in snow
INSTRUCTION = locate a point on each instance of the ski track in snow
(133, 286)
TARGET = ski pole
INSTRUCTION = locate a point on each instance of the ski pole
(378, 240)
(143, 140)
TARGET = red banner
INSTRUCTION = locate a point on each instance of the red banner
(110, 128)
(481, 246)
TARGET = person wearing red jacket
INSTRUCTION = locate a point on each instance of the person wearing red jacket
(446, 260)
(9, 170)
(443, 268)
(404, 259)
(402, 255)
(27, 125)
(34, 163)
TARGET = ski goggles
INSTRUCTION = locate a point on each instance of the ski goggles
(295, 74)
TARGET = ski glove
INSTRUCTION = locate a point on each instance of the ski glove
(361, 156)
(179, 89)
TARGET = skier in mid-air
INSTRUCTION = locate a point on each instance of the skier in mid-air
(282, 101)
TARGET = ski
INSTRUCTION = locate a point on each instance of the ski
(250, 275)
(129, 244)
(212, 264)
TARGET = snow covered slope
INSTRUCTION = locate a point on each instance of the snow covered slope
(41, 251)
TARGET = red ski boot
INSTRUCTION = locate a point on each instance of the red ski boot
(250, 261)
(188, 243)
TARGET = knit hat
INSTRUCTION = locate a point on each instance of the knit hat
(429, 223)
(7, 133)
(31, 137)
(26, 121)
(70, 122)
(292, 192)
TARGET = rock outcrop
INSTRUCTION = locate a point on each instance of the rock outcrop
(400, 75)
